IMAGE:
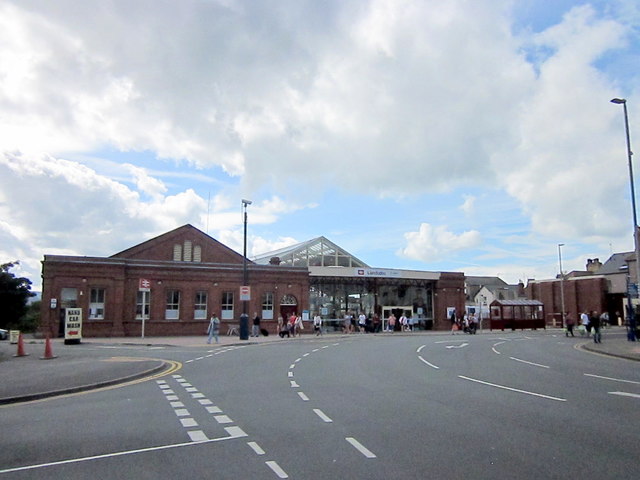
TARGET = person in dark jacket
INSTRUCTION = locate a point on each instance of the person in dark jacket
(594, 320)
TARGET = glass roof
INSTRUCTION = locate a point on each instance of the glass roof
(318, 252)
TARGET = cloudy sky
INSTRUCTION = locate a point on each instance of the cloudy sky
(441, 135)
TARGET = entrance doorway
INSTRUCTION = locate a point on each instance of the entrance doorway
(398, 311)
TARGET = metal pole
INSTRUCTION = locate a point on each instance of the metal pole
(562, 315)
(244, 318)
(633, 200)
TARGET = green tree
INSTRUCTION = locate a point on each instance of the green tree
(14, 294)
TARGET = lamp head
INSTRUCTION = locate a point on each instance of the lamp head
(246, 202)
(618, 100)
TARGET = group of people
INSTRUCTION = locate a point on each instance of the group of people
(468, 323)
(590, 324)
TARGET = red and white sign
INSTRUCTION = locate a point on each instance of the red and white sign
(144, 285)
(245, 293)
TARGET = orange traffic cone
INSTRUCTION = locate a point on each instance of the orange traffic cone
(48, 352)
(20, 352)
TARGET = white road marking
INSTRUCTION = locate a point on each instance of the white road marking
(625, 394)
(303, 397)
(172, 397)
(293, 365)
(420, 348)
(612, 379)
(513, 389)
(191, 389)
(188, 422)
(428, 363)
(306, 354)
(214, 409)
(529, 363)
(168, 392)
(236, 434)
(256, 448)
(276, 469)
(205, 401)
(322, 415)
(361, 448)
(197, 395)
(182, 412)
(462, 345)
(223, 419)
(176, 404)
(494, 347)
(290, 374)
(294, 384)
(197, 436)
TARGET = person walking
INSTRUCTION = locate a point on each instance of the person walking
(255, 329)
(214, 329)
(595, 327)
(569, 322)
(317, 324)
(584, 323)
(454, 323)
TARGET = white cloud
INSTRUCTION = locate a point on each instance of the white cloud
(431, 243)
(284, 100)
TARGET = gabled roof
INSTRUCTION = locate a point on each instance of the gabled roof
(617, 263)
(318, 252)
(187, 237)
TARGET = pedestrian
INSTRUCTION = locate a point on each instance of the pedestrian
(255, 329)
(292, 324)
(280, 323)
(569, 322)
(346, 323)
(391, 323)
(362, 322)
(299, 326)
(376, 323)
(595, 327)
(317, 325)
(214, 328)
(584, 324)
(454, 324)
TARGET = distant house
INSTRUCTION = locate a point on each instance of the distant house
(481, 291)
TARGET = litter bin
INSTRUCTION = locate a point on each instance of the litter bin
(244, 327)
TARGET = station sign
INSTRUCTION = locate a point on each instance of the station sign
(144, 285)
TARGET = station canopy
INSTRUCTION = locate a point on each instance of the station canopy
(318, 252)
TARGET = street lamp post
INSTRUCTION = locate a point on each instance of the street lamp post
(244, 317)
(562, 314)
(633, 207)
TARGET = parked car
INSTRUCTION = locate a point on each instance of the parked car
(4, 334)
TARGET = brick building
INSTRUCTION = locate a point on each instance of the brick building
(188, 275)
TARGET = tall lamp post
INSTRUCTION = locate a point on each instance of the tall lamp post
(562, 315)
(244, 291)
(623, 102)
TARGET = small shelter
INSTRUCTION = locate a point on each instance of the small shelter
(519, 313)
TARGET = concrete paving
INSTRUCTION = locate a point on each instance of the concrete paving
(27, 378)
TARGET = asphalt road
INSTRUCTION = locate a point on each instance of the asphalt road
(526, 406)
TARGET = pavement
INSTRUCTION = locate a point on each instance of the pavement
(75, 369)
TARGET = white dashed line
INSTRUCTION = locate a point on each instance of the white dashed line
(223, 419)
(428, 363)
(361, 448)
(625, 394)
(214, 409)
(322, 415)
(277, 470)
(197, 436)
(548, 397)
(294, 384)
(188, 422)
(182, 412)
(256, 448)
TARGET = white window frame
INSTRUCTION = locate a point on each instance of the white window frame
(200, 305)
(172, 305)
(226, 306)
(268, 299)
(96, 303)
